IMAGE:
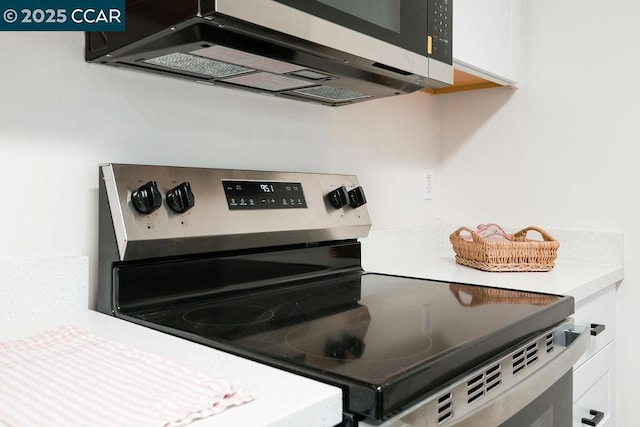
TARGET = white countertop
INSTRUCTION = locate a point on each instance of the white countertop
(282, 399)
(587, 262)
(576, 279)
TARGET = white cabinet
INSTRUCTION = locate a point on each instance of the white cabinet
(486, 39)
(594, 373)
(592, 388)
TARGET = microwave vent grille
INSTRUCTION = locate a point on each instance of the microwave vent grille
(268, 81)
(198, 65)
(332, 93)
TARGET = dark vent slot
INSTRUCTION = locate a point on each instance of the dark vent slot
(518, 369)
(494, 385)
(474, 380)
(532, 353)
(392, 69)
(493, 378)
(444, 398)
(493, 369)
(474, 389)
(549, 343)
(476, 397)
(518, 362)
(445, 417)
(493, 372)
(445, 408)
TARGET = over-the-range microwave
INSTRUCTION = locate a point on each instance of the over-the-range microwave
(332, 52)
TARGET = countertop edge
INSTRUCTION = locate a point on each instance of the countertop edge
(598, 283)
(283, 399)
(579, 280)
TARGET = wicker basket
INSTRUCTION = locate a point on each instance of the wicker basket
(519, 254)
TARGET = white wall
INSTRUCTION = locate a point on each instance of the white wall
(562, 151)
(60, 117)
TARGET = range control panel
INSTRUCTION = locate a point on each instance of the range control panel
(164, 210)
(264, 195)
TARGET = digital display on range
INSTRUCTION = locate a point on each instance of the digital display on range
(264, 195)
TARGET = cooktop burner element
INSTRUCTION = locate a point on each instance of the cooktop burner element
(267, 266)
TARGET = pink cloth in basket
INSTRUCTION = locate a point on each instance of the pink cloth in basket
(69, 377)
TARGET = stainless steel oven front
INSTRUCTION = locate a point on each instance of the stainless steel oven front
(530, 385)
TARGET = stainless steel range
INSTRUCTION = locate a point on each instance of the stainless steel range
(266, 265)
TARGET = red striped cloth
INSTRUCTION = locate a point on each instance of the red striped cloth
(69, 377)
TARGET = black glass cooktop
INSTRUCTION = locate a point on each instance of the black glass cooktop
(386, 340)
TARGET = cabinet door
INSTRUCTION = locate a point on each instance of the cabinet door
(593, 388)
(486, 39)
(597, 309)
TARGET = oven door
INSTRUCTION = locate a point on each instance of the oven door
(540, 399)
(553, 408)
(543, 399)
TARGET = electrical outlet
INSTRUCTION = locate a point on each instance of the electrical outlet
(428, 184)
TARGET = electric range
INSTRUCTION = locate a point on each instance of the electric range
(267, 266)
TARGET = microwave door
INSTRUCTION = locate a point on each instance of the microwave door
(400, 23)
(324, 25)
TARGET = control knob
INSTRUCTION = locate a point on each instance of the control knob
(181, 198)
(339, 197)
(147, 198)
(357, 197)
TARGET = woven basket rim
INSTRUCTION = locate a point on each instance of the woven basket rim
(513, 255)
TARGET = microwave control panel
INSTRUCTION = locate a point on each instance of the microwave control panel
(440, 30)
